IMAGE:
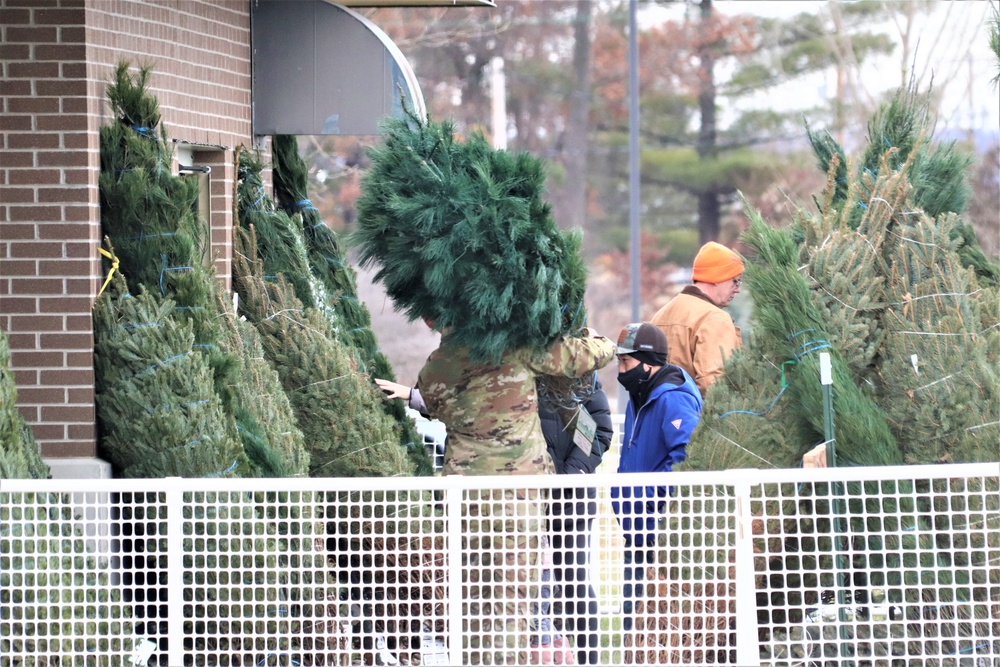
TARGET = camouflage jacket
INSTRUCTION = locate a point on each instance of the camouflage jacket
(491, 411)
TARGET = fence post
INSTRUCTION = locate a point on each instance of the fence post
(174, 500)
(453, 504)
(747, 649)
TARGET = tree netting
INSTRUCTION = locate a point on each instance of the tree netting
(158, 412)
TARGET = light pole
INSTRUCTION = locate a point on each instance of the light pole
(633, 173)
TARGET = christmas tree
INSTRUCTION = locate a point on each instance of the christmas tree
(276, 447)
(157, 407)
(461, 236)
(903, 300)
(19, 455)
(338, 408)
(328, 264)
(148, 215)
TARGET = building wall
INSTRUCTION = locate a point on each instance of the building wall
(56, 58)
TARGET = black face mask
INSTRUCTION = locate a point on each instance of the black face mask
(632, 380)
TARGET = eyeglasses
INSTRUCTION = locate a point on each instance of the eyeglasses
(738, 281)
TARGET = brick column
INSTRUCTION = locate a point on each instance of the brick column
(49, 219)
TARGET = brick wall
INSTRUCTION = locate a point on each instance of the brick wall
(56, 58)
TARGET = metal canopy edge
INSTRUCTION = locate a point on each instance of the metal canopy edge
(321, 68)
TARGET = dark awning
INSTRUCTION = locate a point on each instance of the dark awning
(321, 68)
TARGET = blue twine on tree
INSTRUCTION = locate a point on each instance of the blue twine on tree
(222, 472)
(260, 198)
(165, 268)
(333, 260)
(808, 346)
(143, 236)
(162, 363)
(811, 346)
(971, 648)
(146, 132)
(305, 205)
(804, 349)
(318, 224)
(751, 412)
(206, 346)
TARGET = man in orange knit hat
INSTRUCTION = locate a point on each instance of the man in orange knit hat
(700, 335)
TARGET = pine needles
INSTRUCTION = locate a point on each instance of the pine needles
(461, 236)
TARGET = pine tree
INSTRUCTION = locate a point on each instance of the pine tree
(913, 327)
(148, 215)
(900, 133)
(339, 409)
(328, 264)
(461, 236)
(158, 412)
(327, 260)
(276, 447)
(19, 455)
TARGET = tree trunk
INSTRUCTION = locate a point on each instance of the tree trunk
(708, 201)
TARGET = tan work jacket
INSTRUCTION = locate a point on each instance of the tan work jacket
(700, 335)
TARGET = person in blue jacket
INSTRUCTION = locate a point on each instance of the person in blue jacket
(663, 409)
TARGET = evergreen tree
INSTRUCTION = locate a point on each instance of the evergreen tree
(276, 447)
(327, 260)
(328, 264)
(338, 409)
(158, 412)
(19, 455)
(461, 236)
(885, 287)
(937, 172)
(149, 216)
(995, 42)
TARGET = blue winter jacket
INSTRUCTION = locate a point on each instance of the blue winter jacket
(654, 439)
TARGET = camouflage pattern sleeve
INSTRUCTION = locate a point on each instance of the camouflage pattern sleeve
(573, 357)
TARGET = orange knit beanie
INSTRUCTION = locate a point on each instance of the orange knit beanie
(715, 263)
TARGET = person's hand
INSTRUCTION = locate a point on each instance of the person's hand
(393, 389)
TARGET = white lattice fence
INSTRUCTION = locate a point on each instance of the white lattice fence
(864, 566)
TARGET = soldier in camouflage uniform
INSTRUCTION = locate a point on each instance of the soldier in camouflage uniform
(491, 413)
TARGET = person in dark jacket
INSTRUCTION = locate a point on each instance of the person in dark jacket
(571, 513)
(663, 409)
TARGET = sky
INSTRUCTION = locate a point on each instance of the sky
(949, 47)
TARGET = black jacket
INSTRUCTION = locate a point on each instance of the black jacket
(568, 458)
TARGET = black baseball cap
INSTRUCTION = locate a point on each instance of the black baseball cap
(641, 337)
